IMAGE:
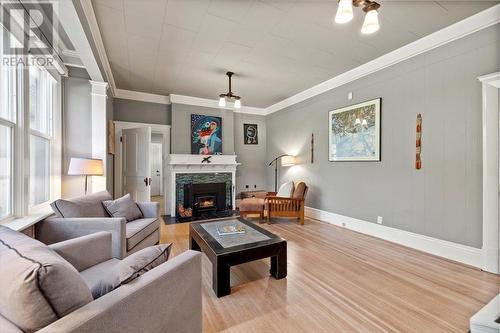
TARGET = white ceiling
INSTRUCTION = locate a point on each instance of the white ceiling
(277, 48)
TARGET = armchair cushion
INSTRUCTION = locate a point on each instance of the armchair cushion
(111, 274)
(85, 206)
(139, 229)
(98, 277)
(285, 190)
(300, 191)
(123, 207)
(37, 285)
(142, 261)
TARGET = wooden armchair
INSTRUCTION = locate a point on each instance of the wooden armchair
(287, 207)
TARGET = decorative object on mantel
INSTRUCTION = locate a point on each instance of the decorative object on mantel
(354, 132)
(206, 159)
(111, 137)
(230, 95)
(418, 160)
(345, 14)
(286, 160)
(312, 148)
(250, 134)
(206, 135)
(85, 167)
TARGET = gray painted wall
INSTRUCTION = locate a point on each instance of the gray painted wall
(77, 131)
(253, 157)
(252, 170)
(444, 198)
(181, 127)
(142, 112)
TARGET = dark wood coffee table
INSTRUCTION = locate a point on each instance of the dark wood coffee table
(229, 250)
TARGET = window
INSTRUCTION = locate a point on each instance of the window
(41, 96)
(8, 115)
(30, 154)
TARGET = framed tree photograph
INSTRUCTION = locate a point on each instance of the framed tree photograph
(354, 132)
(250, 134)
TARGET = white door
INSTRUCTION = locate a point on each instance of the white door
(136, 163)
(156, 169)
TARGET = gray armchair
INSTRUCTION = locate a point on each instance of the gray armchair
(164, 299)
(86, 215)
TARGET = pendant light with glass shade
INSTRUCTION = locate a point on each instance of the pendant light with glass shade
(370, 25)
(344, 14)
(230, 95)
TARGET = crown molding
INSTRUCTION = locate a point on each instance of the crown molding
(491, 79)
(212, 103)
(141, 96)
(467, 26)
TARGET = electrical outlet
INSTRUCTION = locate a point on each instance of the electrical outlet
(379, 219)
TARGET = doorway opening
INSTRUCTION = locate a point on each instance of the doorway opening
(140, 160)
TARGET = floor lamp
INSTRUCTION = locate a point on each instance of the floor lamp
(286, 160)
(85, 167)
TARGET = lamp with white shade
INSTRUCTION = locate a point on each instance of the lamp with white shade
(286, 160)
(85, 167)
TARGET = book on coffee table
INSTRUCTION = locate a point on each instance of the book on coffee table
(230, 229)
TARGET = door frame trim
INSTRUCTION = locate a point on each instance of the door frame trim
(155, 128)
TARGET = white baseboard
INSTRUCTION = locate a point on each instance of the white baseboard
(453, 251)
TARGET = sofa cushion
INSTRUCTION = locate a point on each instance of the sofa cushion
(98, 279)
(123, 207)
(285, 190)
(139, 229)
(85, 206)
(37, 285)
(252, 205)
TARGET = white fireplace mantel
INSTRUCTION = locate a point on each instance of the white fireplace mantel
(187, 163)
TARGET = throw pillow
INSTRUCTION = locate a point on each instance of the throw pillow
(131, 268)
(123, 207)
(37, 286)
(285, 190)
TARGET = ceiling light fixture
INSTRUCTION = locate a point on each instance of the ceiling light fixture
(229, 95)
(344, 14)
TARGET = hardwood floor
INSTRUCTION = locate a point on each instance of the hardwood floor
(342, 281)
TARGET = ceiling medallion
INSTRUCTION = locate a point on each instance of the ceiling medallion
(345, 14)
(229, 95)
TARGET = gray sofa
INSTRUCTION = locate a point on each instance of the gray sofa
(85, 215)
(164, 299)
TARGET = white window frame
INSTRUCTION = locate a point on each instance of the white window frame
(21, 209)
(54, 139)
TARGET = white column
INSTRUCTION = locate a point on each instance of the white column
(99, 131)
(491, 230)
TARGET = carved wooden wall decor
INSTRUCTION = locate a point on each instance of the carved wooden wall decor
(312, 148)
(418, 161)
